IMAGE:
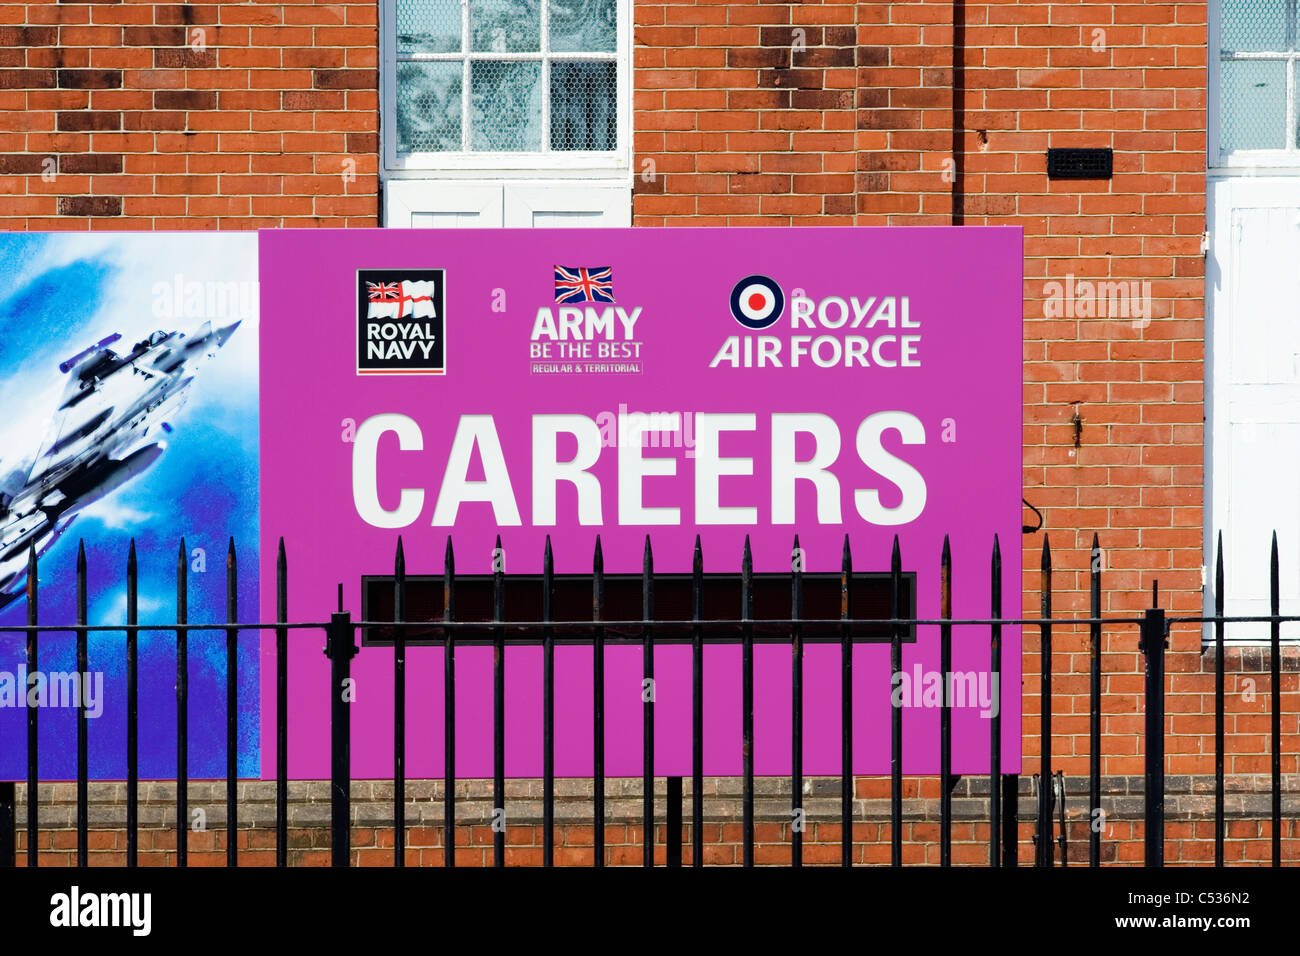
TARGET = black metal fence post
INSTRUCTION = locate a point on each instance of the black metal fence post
(1043, 851)
(1152, 647)
(1218, 704)
(995, 725)
(548, 708)
(132, 710)
(846, 708)
(796, 706)
(498, 706)
(182, 706)
(598, 706)
(281, 708)
(33, 746)
(895, 712)
(747, 703)
(449, 708)
(83, 744)
(647, 707)
(232, 708)
(1275, 704)
(945, 710)
(340, 648)
(399, 706)
(697, 706)
(1094, 706)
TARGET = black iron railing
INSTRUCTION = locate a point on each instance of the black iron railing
(341, 633)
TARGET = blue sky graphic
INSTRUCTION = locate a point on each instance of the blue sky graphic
(58, 295)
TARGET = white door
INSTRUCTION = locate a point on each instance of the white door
(567, 206)
(422, 204)
(1253, 399)
(450, 204)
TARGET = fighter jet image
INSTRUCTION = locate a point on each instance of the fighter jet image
(107, 429)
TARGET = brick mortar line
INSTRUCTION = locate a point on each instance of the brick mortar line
(1187, 800)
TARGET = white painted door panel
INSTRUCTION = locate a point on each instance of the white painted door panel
(564, 206)
(1253, 394)
(420, 204)
(424, 204)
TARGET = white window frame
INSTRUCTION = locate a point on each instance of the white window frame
(1287, 159)
(465, 164)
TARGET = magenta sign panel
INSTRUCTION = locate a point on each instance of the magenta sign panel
(632, 382)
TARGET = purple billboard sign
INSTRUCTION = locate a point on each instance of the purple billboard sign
(627, 383)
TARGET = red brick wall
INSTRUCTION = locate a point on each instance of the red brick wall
(130, 115)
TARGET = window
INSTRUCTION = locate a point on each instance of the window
(531, 86)
(1254, 83)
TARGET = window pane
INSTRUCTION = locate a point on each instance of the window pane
(505, 26)
(507, 102)
(428, 107)
(428, 26)
(1253, 26)
(583, 116)
(1254, 104)
(583, 26)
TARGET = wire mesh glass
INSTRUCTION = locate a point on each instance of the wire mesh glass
(1253, 95)
(582, 106)
(505, 26)
(429, 107)
(506, 98)
(1256, 26)
(583, 26)
(428, 26)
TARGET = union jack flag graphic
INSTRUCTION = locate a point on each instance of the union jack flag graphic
(400, 300)
(575, 284)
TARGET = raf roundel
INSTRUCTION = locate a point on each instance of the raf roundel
(757, 302)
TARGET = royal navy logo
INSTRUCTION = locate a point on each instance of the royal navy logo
(401, 322)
